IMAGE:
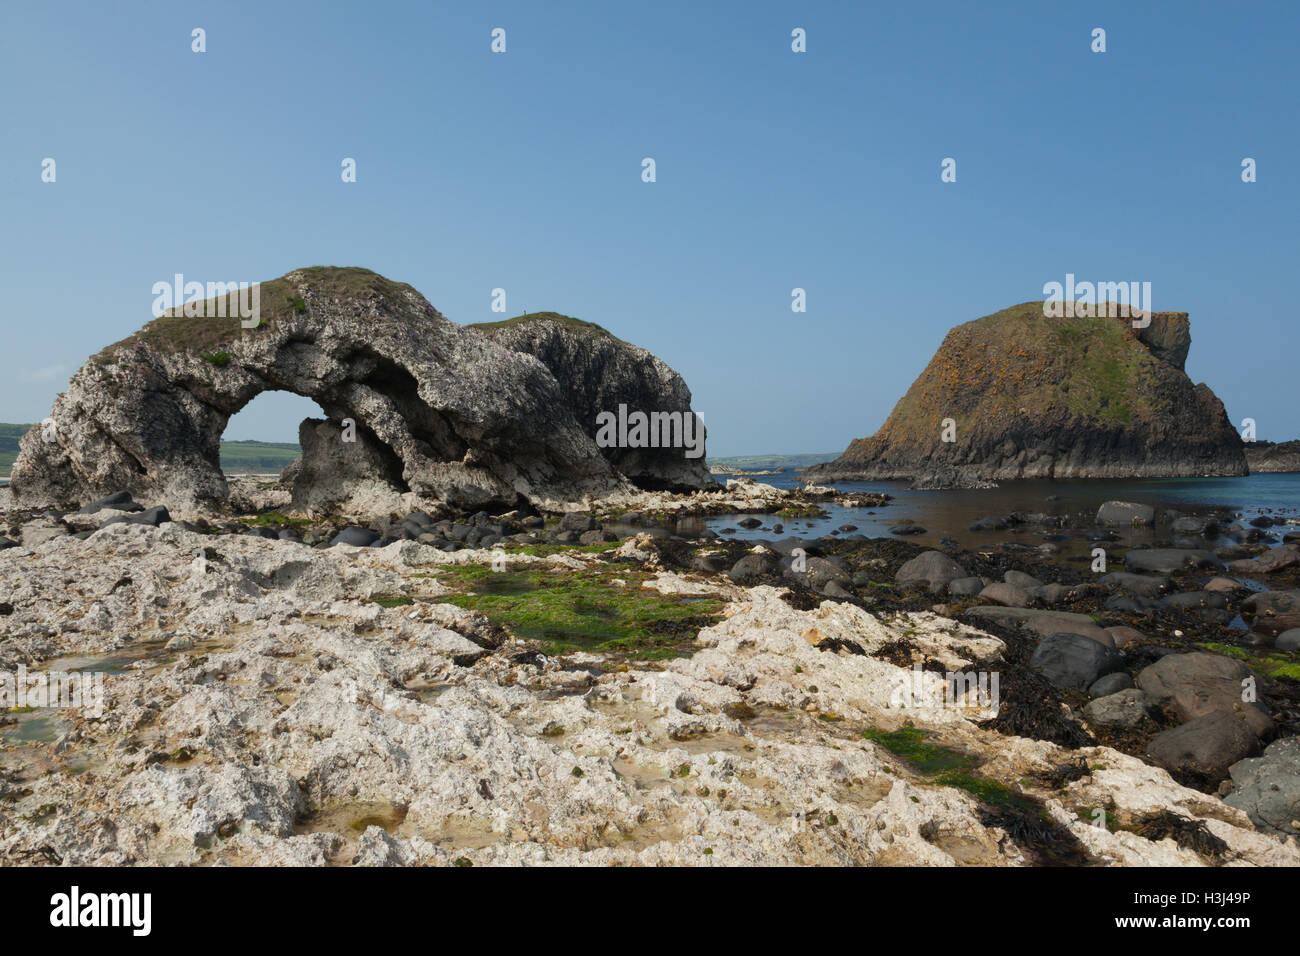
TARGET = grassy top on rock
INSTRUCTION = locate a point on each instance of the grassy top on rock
(280, 300)
(534, 317)
(1020, 361)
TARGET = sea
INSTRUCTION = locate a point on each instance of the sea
(950, 513)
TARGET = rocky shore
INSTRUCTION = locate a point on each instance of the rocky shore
(595, 688)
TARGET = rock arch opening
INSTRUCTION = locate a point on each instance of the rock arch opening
(335, 460)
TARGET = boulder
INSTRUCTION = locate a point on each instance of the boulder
(753, 567)
(1205, 747)
(1270, 562)
(930, 567)
(1110, 684)
(1169, 560)
(820, 573)
(1051, 593)
(1267, 788)
(1072, 661)
(1221, 585)
(1125, 709)
(1005, 594)
(336, 475)
(1196, 684)
(965, 587)
(1124, 636)
(151, 516)
(1194, 600)
(1142, 584)
(1125, 514)
(357, 537)
(1021, 580)
(1045, 623)
(577, 521)
(1272, 612)
(117, 501)
(1288, 640)
(1204, 526)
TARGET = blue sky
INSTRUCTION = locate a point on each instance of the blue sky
(775, 170)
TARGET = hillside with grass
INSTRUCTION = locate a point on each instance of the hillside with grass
(9, 435)
(236, 456)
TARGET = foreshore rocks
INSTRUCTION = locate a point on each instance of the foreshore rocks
(1019, 394)
(440, 412)
(272, 704)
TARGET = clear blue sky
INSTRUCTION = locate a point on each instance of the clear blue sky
(775, 170)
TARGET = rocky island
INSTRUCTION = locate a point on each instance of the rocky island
(1020, 394)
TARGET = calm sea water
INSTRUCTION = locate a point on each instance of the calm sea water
(950, 513)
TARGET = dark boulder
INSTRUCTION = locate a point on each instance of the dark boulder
(752, 568)
(1074, 662)
(357, 537)
(1204, 748)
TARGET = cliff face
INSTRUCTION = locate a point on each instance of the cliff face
(1267, 456)
(1033, 396)
(597, 373)
(441, 411)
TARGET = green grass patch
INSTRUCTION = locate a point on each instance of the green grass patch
(529, 318)
(803, 511)
(1268, 663)
(257, 456)
(988, 791)
(543, 550)
(566, 610)
(273, 519)
(395, 600)
(910, 744)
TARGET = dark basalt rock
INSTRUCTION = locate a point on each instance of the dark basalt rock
(442, 411)
(1202, 750)
(597, 373)
(1034, 396)
(1073, 661)
(1267, 456)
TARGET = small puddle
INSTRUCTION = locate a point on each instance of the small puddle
(350, 821)
(40, 726)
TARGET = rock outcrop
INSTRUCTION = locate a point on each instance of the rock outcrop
(597, 373)
(1033, 396)
(441, 413)
(1267, 456)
